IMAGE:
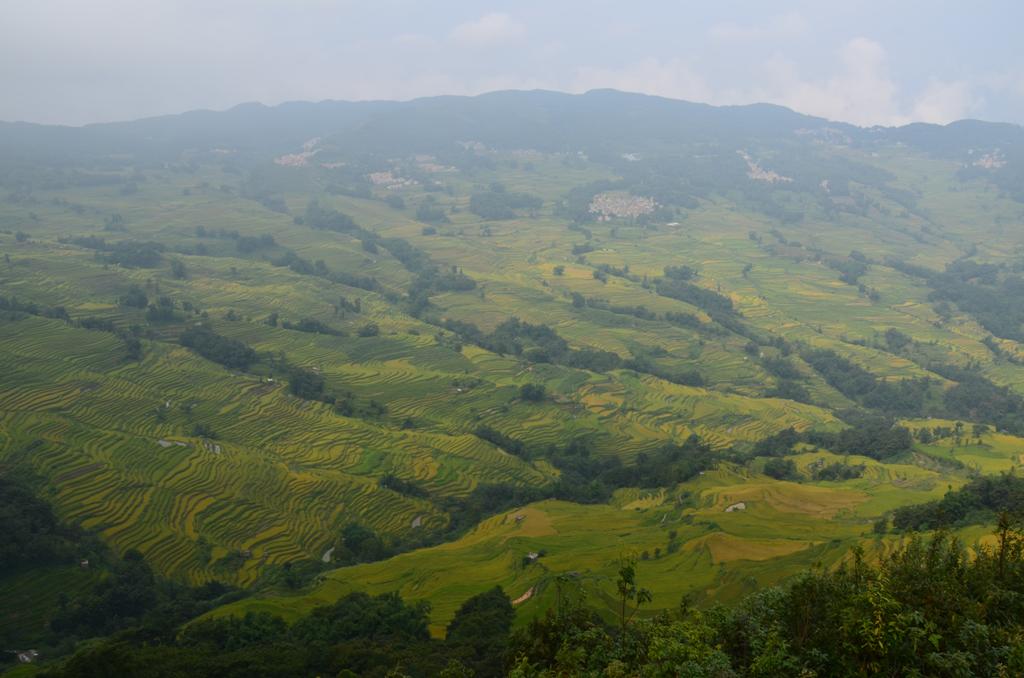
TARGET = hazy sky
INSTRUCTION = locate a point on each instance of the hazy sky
(866, 62)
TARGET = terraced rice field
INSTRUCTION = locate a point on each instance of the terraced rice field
(281, 479)
(284, 475)
(28, 599)
(715, 555)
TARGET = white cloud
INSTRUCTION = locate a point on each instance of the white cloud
(943, 102)
(787, 25)
(1005, 85)
(489, 30)
(63, 60)
(862, 91)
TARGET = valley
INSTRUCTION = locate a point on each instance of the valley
(502, 353)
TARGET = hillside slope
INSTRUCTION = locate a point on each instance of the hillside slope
(229, 337)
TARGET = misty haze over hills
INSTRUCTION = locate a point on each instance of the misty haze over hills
(869, 62)
(550, 121)
(605, 125)
(526, 383)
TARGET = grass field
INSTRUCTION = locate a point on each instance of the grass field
(715, 555)
(115, 447)
(28, 599)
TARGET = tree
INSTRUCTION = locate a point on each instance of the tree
(134, 298)
(533, 393)
(212, 346)
(681, 272)
(132, 346)
(480, 630)
(362, 544)
(178, 269)
(162, 311)
(305, 384)
(234, 633)
(501, 204)
(780, 469)
(428, 212)
(385, 617)
(33, 535)
(312, 326)
(629, 592)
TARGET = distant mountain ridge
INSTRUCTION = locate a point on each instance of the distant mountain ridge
(596, 121)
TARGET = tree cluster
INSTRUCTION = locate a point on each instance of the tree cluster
(929, 608)
(979, 501)
(220, 349)
(499, 203)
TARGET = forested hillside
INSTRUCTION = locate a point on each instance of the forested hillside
(467, 365)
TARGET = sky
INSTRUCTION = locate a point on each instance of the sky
(866, 62)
